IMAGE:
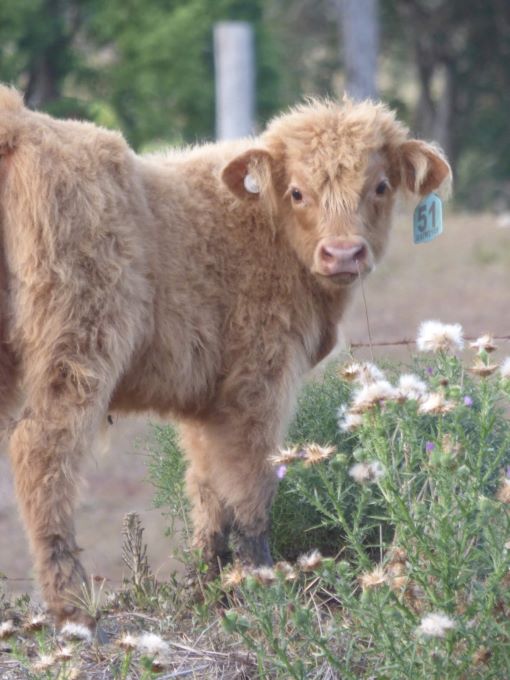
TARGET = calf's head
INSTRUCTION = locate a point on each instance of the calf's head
(328, 175)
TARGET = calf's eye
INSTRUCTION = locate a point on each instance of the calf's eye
(296, 195)
(381, 187)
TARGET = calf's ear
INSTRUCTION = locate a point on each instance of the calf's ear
(424, 168)
(249, 175)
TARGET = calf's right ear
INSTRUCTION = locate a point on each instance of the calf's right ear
(424, 168)
(249, 175)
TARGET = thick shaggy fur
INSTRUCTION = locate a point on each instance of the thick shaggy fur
(159, 283)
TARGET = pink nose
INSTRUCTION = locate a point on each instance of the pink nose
(338, 256)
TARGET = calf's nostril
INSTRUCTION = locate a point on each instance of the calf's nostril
(327, 254)
(360, 253)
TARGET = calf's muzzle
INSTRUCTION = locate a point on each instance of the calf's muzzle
(344, 258)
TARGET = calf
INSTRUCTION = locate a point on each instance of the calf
(201, 284)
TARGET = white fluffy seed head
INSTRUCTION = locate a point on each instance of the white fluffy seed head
(485, 343)
(128, 641)
(434, 404)
(76, 631)
(369, 396)
(435, 624)
(348, 422)
(411, 387)
(7, 628)
(434, 336)
(365, 373)
(367, 472)
(310, 561)
(505, 368)
(152, 644)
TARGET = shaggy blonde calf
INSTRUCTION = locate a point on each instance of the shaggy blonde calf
(201, 284)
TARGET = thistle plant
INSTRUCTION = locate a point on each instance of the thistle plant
(415, 487)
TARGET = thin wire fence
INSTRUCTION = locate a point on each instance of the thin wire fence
(406, 342)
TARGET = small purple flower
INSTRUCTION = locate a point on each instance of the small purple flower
(429, 446)
(468, 401)
(281, 471)
(430, 370)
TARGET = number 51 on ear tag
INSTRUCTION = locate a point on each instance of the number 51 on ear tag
(428, 219)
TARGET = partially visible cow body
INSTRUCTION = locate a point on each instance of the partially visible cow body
(202, 284)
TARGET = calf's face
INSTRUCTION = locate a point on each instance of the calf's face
(330, 182)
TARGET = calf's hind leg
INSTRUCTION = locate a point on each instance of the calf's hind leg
(45, 459)
(61, 414)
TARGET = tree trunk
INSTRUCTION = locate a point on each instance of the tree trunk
(358, 22)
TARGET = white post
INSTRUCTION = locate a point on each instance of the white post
(359, 29)
(234, 61)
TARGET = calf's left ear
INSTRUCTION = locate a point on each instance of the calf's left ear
(424, 168)
(248, 175)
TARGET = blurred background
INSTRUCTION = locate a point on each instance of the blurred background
(147, 67)
(169, 72)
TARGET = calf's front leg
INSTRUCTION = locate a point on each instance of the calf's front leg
(231, 483)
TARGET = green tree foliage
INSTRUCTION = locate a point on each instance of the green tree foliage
(147, 67)
(144, 66)
(460, 54)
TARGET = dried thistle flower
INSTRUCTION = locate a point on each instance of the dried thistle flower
(395, 569)
(127, 642)
(481, 369)
(364, 373)
(152, 644)
(286, 456)
(64, 653)
(481, 656)
(411, 387)
(435, 403)
(347, 421)
(7, 629)
(44, 663)
(485, 343)
(435, 624)
(233, 577)
(398, 555)
(367, 472)
(286, 570)
(372, 395)
(314, 453)
(399, 583)
(434, 336)
(264, 575)
(76, 631)
(350, 372)
(414, 596)
(310, 561)
(373, 579)
(35, 622)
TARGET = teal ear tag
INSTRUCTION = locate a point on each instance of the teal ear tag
(428, 219)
